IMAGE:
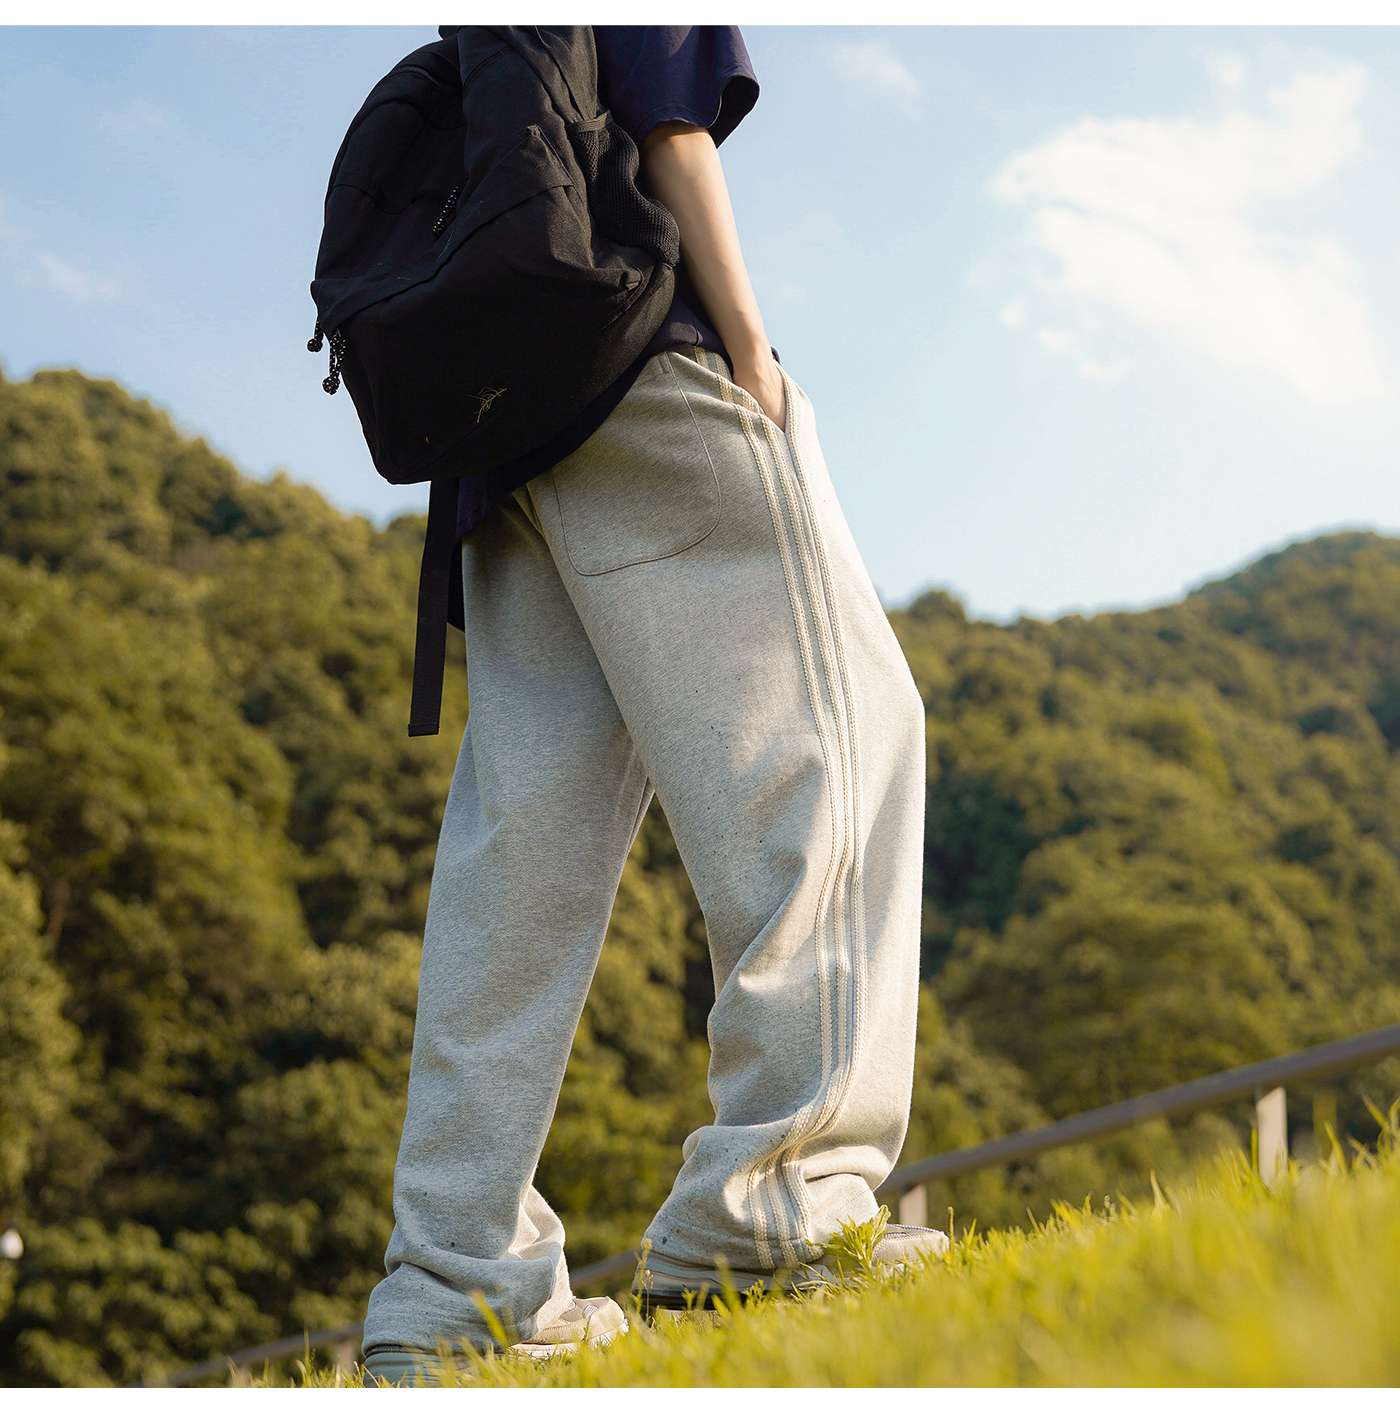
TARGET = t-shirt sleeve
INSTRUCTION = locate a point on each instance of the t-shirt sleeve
(648, 74)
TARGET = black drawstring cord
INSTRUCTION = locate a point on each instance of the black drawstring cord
(441, 221)
(331, 385)
(338, 341)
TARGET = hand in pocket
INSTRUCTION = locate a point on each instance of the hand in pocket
(763, 381)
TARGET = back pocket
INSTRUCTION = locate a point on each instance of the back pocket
(642, 487)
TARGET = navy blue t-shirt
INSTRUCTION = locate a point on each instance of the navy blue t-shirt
(647, 74)
(701, 74)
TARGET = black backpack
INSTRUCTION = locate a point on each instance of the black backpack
(487, 267)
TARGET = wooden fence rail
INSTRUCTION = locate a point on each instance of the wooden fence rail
(1264, 1081)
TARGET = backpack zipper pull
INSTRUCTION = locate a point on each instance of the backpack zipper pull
(331, 385)
(441, 221)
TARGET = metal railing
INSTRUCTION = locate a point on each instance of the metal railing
(1263, 1080)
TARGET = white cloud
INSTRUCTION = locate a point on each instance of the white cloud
(782, 261)
(1069, 342)
(1154, 220)
(75, 281)
(787, 292)
(874, 65)
(33, 267)
(137, 119)
(1013, 314)
(1228, 70)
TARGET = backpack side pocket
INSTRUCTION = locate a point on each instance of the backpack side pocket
(608, 159)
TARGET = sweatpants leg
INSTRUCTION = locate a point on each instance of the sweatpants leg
(714, 574)
(546, 799)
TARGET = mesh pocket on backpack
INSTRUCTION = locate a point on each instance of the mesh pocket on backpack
(609, 160)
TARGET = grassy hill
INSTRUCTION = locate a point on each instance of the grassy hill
(1158, 844)
(1218, 1282)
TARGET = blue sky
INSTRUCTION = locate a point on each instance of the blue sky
(1087, 315)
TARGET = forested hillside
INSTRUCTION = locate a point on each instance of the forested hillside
(1158, 844)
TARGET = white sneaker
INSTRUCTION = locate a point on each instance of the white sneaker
(593, 1321)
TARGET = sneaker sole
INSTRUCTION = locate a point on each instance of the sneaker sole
(398, 1369)
(568, 1348)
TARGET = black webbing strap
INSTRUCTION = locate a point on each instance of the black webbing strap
(434, 596)
(511, 35)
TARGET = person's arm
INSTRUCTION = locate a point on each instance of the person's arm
(682, 170)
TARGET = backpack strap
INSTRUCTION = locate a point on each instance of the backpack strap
(442, 564)
(580, 57)
(565, 61)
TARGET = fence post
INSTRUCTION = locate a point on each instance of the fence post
(1329, 1060)
(346, 1354)
(1271, 1118)
(913, 1206)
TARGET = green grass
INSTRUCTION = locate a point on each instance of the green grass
(1222, 1281)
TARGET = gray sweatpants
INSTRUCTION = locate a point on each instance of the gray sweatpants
(677, 608)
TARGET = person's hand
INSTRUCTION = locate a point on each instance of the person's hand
(762, 380)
